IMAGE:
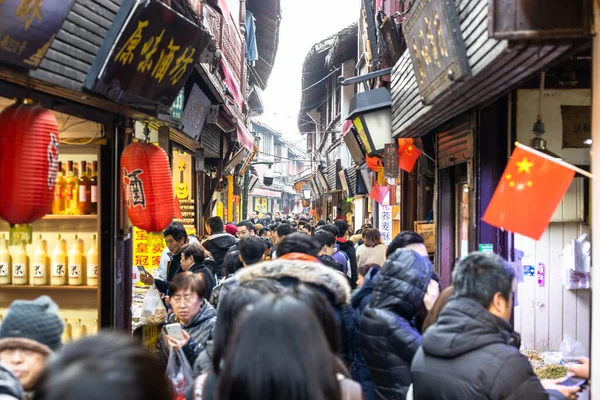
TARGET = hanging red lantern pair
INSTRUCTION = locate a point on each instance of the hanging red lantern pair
(28, 162)
(147, 186)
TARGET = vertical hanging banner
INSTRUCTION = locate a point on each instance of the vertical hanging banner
(385, 221)
(28, 28)
(147, 56)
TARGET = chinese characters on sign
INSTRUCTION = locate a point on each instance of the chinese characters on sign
(437, 50)
(154, 54)
(27, 29)
(195, 112)
(135, 195)
(385, 221)
(147, 250)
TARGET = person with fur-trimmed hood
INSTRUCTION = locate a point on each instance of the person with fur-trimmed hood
(297, 262)
(31, 331)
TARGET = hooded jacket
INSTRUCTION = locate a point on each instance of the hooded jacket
(331, 262)
(218, 245)
(361, 299)
(388, 339)
(471, 354)
(348, 248)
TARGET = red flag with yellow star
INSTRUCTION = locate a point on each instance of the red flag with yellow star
(408, 154)
(528, 193)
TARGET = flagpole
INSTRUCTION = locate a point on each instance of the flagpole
(556, 160)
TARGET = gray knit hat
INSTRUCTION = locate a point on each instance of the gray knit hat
(33, 325)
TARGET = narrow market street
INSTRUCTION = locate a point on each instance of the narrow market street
(316, 200)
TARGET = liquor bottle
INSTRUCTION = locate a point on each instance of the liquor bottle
(40, 264)
(75, 264)
(58, 205)
(59, 264)
(85, 190)
(94, 188)
(20, 272)
(71, 191)
(5, 262)
(92, 264)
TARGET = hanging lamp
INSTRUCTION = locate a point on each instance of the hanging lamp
(538, 142)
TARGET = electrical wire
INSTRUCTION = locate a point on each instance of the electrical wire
(322, 79)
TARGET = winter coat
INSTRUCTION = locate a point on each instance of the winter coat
(361, 299)
(209, 279)
(388, 339)
(331, 262)
(348, 248)
(371, 255)
(218, 245)
(10, 388)
(471, 354)
(200, 330)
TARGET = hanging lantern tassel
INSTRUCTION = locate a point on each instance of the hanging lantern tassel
(147, 186)
(28, 162)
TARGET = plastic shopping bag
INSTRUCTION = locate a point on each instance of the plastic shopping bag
(571, 349)
(154, 311)
(179, 373)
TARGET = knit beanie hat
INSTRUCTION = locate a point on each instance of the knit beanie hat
(231, 229)
(33, 325)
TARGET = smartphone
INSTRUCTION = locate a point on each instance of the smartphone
(175, 330)
(142, 270)
(573, 381)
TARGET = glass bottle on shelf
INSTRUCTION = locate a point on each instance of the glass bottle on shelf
(40, 264)
(5, 262)
(75, 264)
(20, 273)
(71, 191)
(85, 190)
(59, 264)
(58, 204)
(94, 188)
(92, 264)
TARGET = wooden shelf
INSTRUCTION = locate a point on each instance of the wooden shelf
(47, 287)
(70, 217)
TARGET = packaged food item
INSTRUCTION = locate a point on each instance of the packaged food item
(154, 311)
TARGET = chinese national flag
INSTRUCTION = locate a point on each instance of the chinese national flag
(528, 193)
(177, 209)
(379, 192)
(408, 154)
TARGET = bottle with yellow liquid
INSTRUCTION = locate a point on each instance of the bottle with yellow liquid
(40, 270)
(58, 264)
(92, 264)
(75, 270)
(20, 264)
(5, 262)
(71, 191)
(58, 204)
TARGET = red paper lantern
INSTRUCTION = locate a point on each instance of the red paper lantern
(147, 186)
(28, 162)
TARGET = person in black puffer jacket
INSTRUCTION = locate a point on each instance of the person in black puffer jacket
(218, 243)
(387, 336)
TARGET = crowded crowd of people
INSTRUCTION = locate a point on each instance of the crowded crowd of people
(294, 309)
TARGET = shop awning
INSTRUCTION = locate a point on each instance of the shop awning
(244, 137)
(265, 193)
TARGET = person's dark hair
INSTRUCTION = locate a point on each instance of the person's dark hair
(323, 311)
(252, 249)
(324, 238)
(331, 229)
(321, 223)
(188, 280)
(194, 250)
(364, 269)
(290, 348)
(373, 238)
(264, 231)
(249, 225)
(306, 225)
(284, 230)
(264, 285)
(237, 301)
(342, 227)
(480, 276)
(104, 366)
(176, 230)
(402, 240)
(298, 243)
(216, 225)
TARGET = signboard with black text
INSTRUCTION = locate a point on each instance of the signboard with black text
(437, 49)
(27, 29)
(195, 112)
(147, 56)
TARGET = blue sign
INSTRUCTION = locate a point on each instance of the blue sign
(529, 270)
